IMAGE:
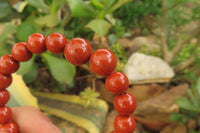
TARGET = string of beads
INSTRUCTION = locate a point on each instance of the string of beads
(77, 51)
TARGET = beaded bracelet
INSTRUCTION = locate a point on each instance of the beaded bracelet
(77, 51)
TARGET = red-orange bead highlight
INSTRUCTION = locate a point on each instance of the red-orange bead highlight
(117, 83)
(124, 124)
(8, 64)
(125, 104)
(78, 51)
(56, 42)
(4, 97)
(5, 114)
(36, 43)
(5, 80)
(20, 52)
(9, 127)
(103, 62)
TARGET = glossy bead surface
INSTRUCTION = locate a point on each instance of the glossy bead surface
(8, 64)
(124, 124)
(5, 80)
(78, 51)
(36, 43)
(5, 114)
(56, 42)
(103, 62)
(117, 83)
(20, 52)
(9, 127)
(4, 97)
(125, 104)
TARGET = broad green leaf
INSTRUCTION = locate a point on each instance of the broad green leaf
(99, 26)
(60, 69)
(4, 9)
(31, 75)
(20, 94)
(56, 5)
(9, 29)
(24, 30)
(26, 67)
(20, 6)
(38, 4)
(49, 20)
(118, 4)
(178, 117)
(108, 4)
(184, 103)
(80, 9)
(197, 86)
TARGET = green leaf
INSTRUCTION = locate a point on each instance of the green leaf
(80, 9)
(177, 117)
(26, 67)
(184, 103)
(108, 4)
(9, 29)
(197, 86)
(61, 70)
(31, 75)
(117, 5)
(49, 20)
(4, 9)
(24, 30)
(20, 6)
(38, 4)
(193, 98)
(56, 5)
(99, 26)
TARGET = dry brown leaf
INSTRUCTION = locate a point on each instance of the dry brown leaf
(163, 103)
(143, 92)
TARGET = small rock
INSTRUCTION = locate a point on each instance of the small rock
(143, 68)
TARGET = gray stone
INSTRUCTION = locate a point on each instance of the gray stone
(143, 68)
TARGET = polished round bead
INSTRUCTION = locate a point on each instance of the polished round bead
(5, 114)
(20, 52)
(8, 64)
(5, 80)
(125, 104)
(117, 83)
(56, 42)
(78, 51)
(9, 127)
(103, 62)
(36, 43)
(4, 97)
(124, 124)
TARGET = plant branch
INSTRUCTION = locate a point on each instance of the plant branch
(172, 6)
(183, 65)
(163, 32)
(177, 48)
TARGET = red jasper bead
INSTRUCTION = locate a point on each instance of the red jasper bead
(9, 127)
(78, 51)
(36, 43)
(20, 52)
(117, 83)
(124, 124)
(4, 97)
(103, 62)
(125, 104)
(5, 114)
(55, 43)
(8, 64)
(5, 80)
